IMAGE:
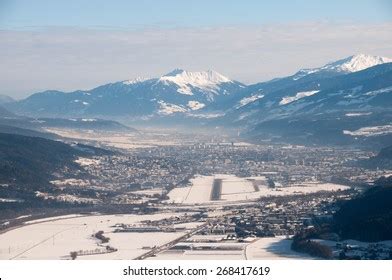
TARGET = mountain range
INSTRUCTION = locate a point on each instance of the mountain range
(347, 101)
(179, 91)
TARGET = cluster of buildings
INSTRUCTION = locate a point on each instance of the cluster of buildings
(372, 251)
(277, 216)
(169, 166)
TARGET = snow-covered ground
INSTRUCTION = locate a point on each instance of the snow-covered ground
(122, 140)
(55, 239)
(200, 255)
(370, 131)
(358, 114)
(53, 218)
(350, 64)
(208, 81)
(351, 242)
(150, 191)
(246, 100)
(233, 185)
(269, 248)
(198, 192)
(272, 248)
(304, 188)
(235, 189)
(168, 108)
(288, 99)
(195, 105)
(66, 197)
(70, 182)
(87, 161)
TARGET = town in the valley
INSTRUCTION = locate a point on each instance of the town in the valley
(198, 196)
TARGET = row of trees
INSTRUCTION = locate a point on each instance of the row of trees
(302, 243)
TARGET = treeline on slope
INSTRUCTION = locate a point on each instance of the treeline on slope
(33, 160)
(302, 243)
(325, 129)
(369, 216)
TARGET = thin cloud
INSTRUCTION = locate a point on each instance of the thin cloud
(72, 58)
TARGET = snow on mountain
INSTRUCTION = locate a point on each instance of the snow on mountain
(358, 114)
(288, 99)
(208, 94)
(179, 91)
(356, 63)
(168, 108)
(186, 80)
(350, 64)
(135, 81)
(370, 131)
(379, 91)
(246, 100)
(195, 105)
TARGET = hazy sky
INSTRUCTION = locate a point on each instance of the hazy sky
(70, 45)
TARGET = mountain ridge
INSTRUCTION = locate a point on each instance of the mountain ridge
(340, 102)
(177, 91)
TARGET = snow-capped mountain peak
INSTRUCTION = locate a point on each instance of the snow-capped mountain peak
(356, 63)
(350, 64)
(205, 80)
(135, 81)
(175, 72)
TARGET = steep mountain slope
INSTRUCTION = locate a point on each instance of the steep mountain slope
(358, 91)
(34, 160)
(368, 217)
(353, 108)
(344, 102)
(304, 83)
(350, 64)
(179, 91)
(28, 164)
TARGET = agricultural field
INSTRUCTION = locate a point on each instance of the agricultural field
(56, 238)
(253, 249)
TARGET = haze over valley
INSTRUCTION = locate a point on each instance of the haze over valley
(206, 166)
(208, 130)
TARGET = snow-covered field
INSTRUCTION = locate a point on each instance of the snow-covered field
(198, 192)
(55, 239)
(305, 188)
(234, 185)
(270, 248)
(200, 255)
(70, 182)
(53, 218)
(150, 191)
(119, 140)
(241, 189)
